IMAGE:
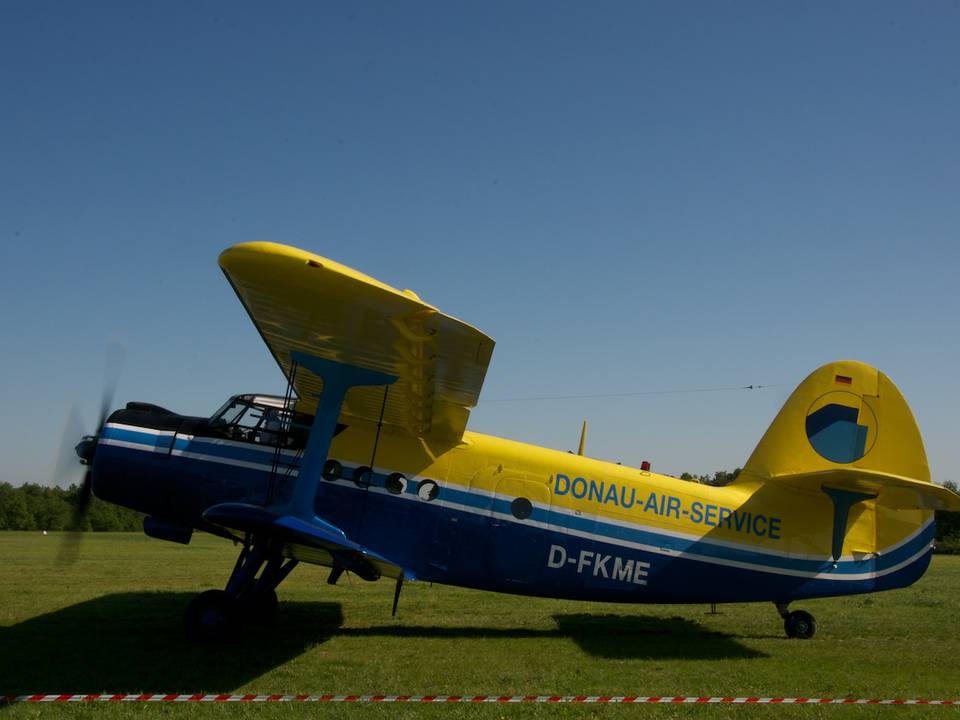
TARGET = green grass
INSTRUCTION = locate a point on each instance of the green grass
(111, 623)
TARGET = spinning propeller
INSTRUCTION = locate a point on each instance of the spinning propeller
(66, 471)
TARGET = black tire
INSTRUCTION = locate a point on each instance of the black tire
(211, 617)
(261, 608)
(800, 625)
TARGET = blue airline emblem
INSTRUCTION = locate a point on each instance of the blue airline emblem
(839, 432)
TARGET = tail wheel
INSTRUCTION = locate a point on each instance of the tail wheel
(800, 625)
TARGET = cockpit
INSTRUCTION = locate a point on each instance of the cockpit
(262, 420)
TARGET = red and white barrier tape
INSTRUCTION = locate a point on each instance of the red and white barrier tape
(575, 699)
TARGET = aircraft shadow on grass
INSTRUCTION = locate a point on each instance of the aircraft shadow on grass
(133, 643)
(635, 637)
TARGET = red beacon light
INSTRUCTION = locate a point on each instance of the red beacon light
(645, 466)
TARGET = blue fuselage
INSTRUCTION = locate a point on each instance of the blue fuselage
(473, 538)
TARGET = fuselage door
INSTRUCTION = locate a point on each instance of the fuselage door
(519, 530)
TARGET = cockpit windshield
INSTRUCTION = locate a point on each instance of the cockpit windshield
(261, 419)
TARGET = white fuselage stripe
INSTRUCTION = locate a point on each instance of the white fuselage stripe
(643, 547)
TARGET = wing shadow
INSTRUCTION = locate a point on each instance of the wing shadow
(649, 637)
(603, 636)
(134, 643)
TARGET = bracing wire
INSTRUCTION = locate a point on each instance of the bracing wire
(674, 391)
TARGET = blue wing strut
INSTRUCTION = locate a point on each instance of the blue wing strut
(291, 518)
(337, 379)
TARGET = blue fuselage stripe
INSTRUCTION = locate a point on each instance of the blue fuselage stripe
(549, 525)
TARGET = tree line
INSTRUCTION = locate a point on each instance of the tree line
(34, 507)
(947, 534)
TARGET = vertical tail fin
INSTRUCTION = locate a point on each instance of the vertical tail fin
(847, 432)
(846, 416)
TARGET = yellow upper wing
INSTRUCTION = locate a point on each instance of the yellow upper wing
(301, 301)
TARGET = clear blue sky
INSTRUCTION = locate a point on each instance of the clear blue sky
(626, 196)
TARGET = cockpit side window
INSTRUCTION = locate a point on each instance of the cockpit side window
(238, 420)
(230, 413)
(251, 418)
(246, 421)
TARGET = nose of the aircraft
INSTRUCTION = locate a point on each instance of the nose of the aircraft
(85, 448)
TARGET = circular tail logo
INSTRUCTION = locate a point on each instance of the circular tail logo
(841, 427)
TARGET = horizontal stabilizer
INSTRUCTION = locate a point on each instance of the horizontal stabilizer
(909, 494)
(317, 542)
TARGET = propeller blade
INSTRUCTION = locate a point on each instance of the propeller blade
(67, 470)
(70, 545)
(86, 492)
(69, 551)
(111, 374)
(68, 467)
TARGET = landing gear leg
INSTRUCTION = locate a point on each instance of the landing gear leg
(798, 624)
(259, 602)
(218, 615)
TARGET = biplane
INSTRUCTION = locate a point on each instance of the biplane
(366, 466)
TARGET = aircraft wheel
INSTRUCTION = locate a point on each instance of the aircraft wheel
(261, 609)
(211, 617)
(800, 624)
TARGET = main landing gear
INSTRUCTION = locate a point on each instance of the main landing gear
(798, 624)
(219, 615)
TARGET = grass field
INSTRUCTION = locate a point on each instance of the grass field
(111, 623)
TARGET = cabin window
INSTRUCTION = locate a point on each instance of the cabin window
(428, 490)
(395, 483)
(332, 470)
(521, 508)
